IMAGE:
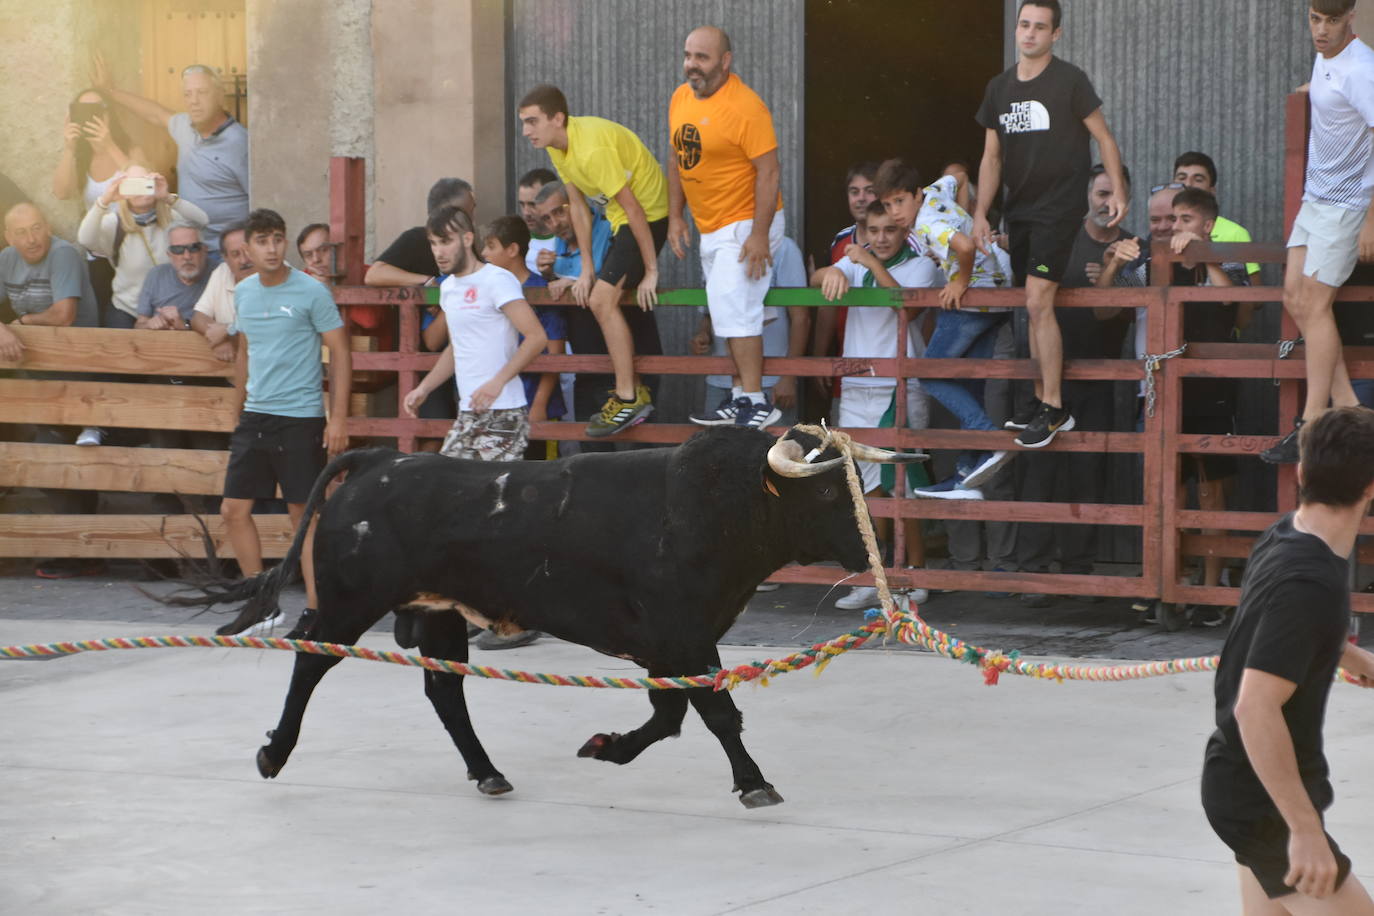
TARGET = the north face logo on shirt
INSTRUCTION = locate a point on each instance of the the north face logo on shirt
(687, 142)
(1025, 117)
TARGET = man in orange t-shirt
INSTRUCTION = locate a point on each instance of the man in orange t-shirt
(727, 171)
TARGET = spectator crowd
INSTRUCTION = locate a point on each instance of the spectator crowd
(594, 223)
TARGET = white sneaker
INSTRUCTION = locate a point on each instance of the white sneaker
(917, 595)
(266, 625)
(91, 435)
(860, 597)
(986, 470)
(768, 586)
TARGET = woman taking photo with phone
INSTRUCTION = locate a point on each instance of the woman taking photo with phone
(95, 147)
(133, 234)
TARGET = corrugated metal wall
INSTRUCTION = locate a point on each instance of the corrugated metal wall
(622, 59)
(1178, 75)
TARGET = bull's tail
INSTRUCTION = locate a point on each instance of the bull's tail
(261, 592)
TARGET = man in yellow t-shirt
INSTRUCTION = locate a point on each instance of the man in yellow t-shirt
(604, 162)
(727, 172)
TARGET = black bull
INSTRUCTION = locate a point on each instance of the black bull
(648, 555)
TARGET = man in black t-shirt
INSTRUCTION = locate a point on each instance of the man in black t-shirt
(1076, 477)
(1265, 780)
(408, 260)
(1040, 115)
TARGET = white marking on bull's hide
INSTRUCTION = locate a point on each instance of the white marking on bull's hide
(386, 479)
(360, 531)
(500, 505)
(542, 567)
(404, 458)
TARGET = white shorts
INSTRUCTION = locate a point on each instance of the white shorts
(734, 300)
(1331, 235)
(863, 406)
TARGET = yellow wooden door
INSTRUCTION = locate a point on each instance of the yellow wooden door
(178, 33)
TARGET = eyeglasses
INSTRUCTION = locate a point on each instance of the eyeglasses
(1176, 185)
(186, 249)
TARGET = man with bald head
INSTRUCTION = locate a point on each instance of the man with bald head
(43, 278)
(212, 147)
(727, 172)
(45, 282)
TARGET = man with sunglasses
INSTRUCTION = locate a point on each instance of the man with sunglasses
(170, 291)
(212, 147)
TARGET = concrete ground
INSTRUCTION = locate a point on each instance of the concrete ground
(911, 787)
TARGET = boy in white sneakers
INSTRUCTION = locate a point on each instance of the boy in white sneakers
(890, 262)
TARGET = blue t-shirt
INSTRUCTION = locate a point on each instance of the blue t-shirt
(283, 324)
(212, 172)
(568, 263)
(62, 274)
(555, 328)
(162, 287)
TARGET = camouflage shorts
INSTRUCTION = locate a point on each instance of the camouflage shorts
(493, 435)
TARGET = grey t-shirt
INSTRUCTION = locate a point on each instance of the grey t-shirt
(212, 172)
(33, 288)
(162, 287)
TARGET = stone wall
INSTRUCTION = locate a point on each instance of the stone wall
(47, 49)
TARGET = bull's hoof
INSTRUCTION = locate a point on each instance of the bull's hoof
(494, 785)
(763, 797)
(266, 768)
(597, 744)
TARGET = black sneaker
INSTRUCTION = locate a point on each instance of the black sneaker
(754, 415)
(722, 415)
(616, 414)
(1049, 422)
(1023, 417)
(303, 626)
(1285, 451)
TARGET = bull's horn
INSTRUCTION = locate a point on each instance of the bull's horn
(785, 459)
(883, 456)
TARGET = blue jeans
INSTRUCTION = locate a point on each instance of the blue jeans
(959, 333)
(1364, 391)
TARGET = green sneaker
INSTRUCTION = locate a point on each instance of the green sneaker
(616, 414)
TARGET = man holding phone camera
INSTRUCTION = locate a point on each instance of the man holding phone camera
(212, 147)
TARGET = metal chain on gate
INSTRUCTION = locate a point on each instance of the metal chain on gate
(1286, 348)
(1152, 363)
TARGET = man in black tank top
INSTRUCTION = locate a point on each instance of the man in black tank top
(1040, 115)
(1265, 780)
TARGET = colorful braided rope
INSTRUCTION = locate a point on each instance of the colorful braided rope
(908, 629)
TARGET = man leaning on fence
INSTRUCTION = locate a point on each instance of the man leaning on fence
(283, 314)
(45, 282)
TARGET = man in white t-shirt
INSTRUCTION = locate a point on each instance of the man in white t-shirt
(871, 333)
(214, 314)
(1334, 228)
(486, 313)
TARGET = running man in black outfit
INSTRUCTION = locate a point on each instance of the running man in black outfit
(1039, 115)
(1265, 779)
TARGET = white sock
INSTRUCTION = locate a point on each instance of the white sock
(736, 392)
(755, 396)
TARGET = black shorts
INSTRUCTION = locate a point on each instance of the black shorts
(624, 260)
(1262, 846)
(267, 450)
(1041, 249)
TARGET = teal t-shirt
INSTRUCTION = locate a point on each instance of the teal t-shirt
(283, 324)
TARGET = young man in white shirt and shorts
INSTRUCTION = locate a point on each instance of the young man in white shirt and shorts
(1333, 229)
